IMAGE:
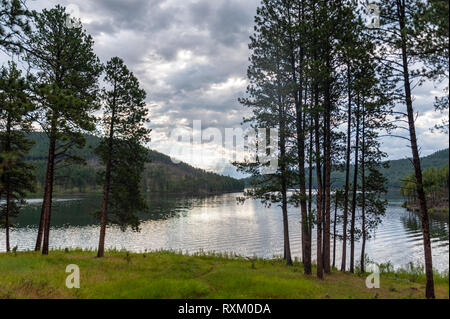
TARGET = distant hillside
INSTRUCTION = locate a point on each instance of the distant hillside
(161, 175)
(397, 171)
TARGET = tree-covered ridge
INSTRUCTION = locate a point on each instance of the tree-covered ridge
(396, 171)
(400, 168)
(161, 174)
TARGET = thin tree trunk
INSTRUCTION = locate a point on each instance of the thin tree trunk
(355, 188)
(327, 188)
(8, 208)
(347, 175)
(363, 190)
(310, 168)
(103, 218)
(298, 97)
(319, 193)
(8, 183)
(416, 159)
(37, 247)
(287, 246)
(334, 230)
(107, 185)
(47, 203)
(47, 189)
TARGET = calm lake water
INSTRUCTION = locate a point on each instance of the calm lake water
(219, 223)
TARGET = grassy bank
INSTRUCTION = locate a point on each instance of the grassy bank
(172, 275)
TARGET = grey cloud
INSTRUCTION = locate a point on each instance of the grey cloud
(151, 33)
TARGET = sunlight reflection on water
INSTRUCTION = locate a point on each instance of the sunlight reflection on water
(218, 223)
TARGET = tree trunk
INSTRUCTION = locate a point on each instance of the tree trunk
(319, 193)
(354, 196)
(347, 174)
(37, 247)
(8, 183)
(106, 186)
(8, 208)
(363, 195)
(334, 230)
(287, 246)
(103, 218)
(310, 169)
(298, 97)
(327, 186)
(416, 160)
(47, 203)
(47, 188)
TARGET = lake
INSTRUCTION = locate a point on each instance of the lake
(218, 223)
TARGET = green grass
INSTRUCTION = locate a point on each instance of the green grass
(173, 275)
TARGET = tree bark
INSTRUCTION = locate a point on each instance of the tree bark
(416, 159)
(8, 184)
(37, 247)
(107, 185)
(8, 208)
(355, 188)
(103, 218)
(347, 174)
(327, 186)
(319, 192)
(334, 230)
(47, 203)
(298, 98)
(363, 195)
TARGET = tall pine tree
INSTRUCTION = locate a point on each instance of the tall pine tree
(124, 120)
(67, 74)
(16, 177)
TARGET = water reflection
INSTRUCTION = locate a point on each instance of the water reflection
(438, 225)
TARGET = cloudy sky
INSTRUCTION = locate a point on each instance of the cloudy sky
(191, 57)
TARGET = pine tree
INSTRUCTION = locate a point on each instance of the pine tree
(66, 93)
(270, 97)
(121, 151)
(16, 177)
(397, 39)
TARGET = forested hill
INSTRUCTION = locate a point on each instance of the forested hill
(161, 175)
(397, 171)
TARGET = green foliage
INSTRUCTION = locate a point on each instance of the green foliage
(435, 184)
(16, 175)
(67, 79)
(13, 21)
(395, 170)
(124, 120)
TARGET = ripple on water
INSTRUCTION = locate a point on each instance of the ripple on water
(219, 224)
